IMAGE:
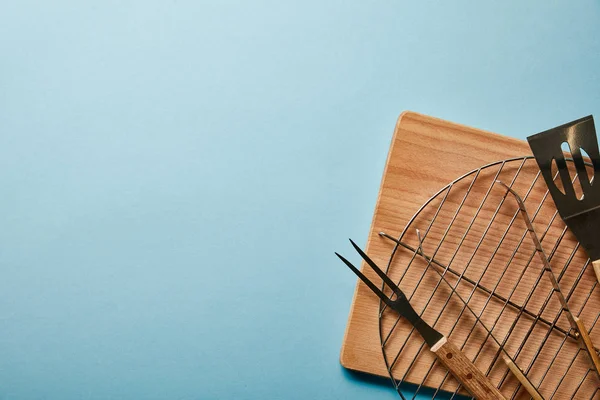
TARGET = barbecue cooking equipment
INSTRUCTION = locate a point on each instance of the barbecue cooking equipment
(516, 371)
(461, 238)
(492, 249)
(580, 211)
(460, 366)
(576, 323)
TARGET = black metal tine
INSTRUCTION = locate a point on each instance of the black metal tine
(379, 272)
(366, 280)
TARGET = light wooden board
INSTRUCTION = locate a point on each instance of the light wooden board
(425, 155)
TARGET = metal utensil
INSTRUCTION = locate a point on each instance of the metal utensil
(510, 363)
(474, 237)
(576, 323)
(461, 367)
(448, 270)
(581, 214)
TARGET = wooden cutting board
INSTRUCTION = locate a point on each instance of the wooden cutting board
(425, 155)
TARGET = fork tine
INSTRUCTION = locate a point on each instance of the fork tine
(379, 272)
(370, 284)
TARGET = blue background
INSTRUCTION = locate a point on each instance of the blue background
(176, 175)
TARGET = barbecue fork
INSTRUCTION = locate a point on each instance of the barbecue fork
(449, 355)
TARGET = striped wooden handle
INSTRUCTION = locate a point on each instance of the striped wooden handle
(465, 371)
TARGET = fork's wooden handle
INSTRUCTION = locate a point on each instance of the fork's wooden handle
(587, 342)
(465, 371)
(596, 265)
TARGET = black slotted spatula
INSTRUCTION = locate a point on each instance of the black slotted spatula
(581, 214)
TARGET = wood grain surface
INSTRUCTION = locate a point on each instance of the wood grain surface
(425, 155)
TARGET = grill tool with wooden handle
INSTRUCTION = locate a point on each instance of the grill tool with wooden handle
(581, 214)
(457, 363)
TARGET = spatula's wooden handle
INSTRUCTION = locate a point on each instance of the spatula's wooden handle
(587, 342)
(596, 265)
(465, 371)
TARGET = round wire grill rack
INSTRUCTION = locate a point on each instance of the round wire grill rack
(468, 266)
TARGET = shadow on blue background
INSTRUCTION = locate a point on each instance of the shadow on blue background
(407, 390)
